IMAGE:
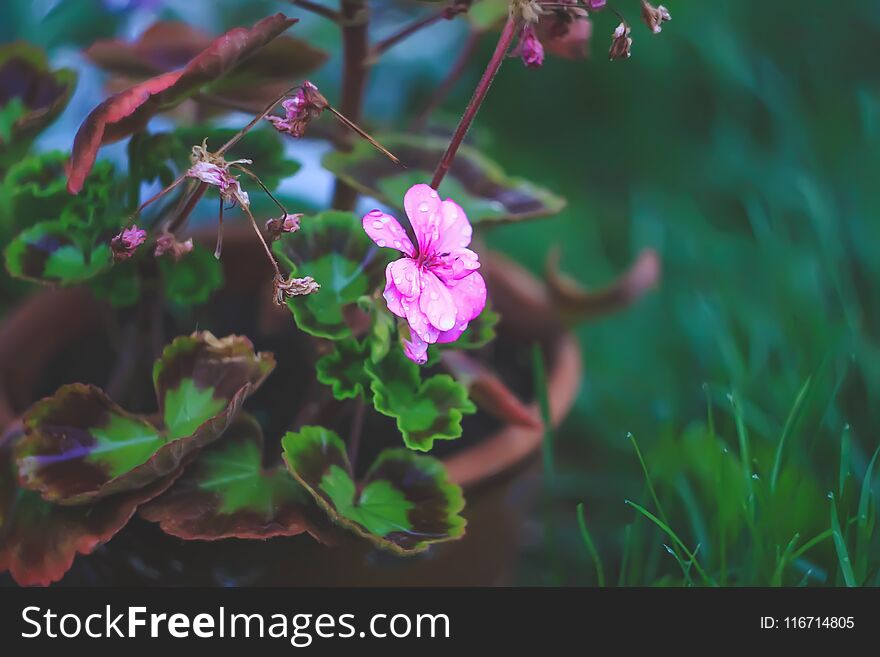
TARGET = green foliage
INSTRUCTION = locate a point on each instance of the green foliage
(193, 278)
(425, 410)
(79, 446)
(332, 248)
(343, 369)
(227, 493)
(404, 504)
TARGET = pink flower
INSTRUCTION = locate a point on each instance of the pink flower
(529, 48)
(287, 223)
(222, 179)
(435, 287)
(596, 5)
(307, 104)
(126, 242)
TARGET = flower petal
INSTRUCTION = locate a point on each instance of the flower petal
(455, 229)
(406, 276)
(469, 295)
(391, 294)
(416, 349)
(456, 264)
(436, 302)
(418, 321)
(422, 205)
(386, 231)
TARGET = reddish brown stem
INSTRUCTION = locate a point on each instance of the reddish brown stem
(504, 42)
(318, 9)
(355, 48)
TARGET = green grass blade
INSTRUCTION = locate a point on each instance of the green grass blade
(840, 546)
(744, 454)
(591, 547)
(648, 481)
(787, 428)
(845, 451)
(666, 529)
(784, 559)
(864, 528)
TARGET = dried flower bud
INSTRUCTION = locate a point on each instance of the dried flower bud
(126, 242)
(654, 16)
(621, 43)
(305, 106)
(529, 48)
(214, 170)
(529, 11)
(289, 223)
(293, 287)
(567, 32)
(166, 243)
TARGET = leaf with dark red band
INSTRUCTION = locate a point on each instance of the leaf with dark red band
(79, 446)
(404, 503)
(129, 111)
(227, 493)
(39, 540)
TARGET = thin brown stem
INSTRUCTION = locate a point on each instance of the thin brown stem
(447, 13)
(504, 42)
(360, 131)
(355, 48)
(262, 185)
(317, 9)
(188, 204)
(155, 197)
(448, 84)
(219, 247)
(262, 239)
(259, 117)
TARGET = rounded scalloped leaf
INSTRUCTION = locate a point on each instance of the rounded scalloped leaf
(476, 183)
(404, 504)
(39, 540)
(426, 410)
(79, 446)
(40, 94)
(52, 252)
(343, 369)
(227, 493)
(332, 248)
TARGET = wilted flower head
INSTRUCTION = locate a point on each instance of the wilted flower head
(293, 287)
(166, 243)
(126, 242)
(214, 170)
(621, 43)
(288, 223)
(596, 5)
(529, 48)
(436, 286)
(305, 106)
(654, 16)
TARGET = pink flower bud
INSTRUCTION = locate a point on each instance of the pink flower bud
(288, 223)
(126, 242)
(529, 48)
(166, 243)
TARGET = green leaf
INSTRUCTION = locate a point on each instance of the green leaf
(39, 540)
(79, 446)
(227, 493)
(332, 248)
(476, 183)
(381, 333)
(120, 286)
(343, 369)
(405, 502)
(426, 410)
(33, 97)
(194, 278)
(51, 252)
(479, 333)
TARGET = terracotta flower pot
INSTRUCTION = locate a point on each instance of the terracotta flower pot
(51, 321)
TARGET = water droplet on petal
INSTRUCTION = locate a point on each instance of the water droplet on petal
(380, 242)
(378, 225)
(424, 207)
(433, 193)
(397, 244)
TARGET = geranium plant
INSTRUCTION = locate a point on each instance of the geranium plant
(395, 311)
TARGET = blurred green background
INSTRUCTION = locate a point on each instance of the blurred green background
(742, 144)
